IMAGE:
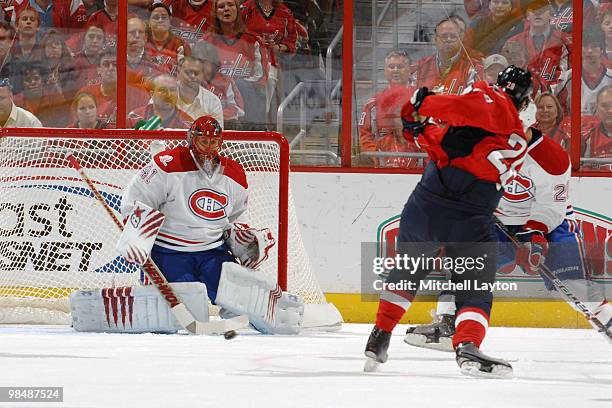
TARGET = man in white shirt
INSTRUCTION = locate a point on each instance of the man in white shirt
(193, 98)
(11, 115)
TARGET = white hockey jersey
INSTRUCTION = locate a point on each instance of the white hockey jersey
(538, 196)
(197, 208)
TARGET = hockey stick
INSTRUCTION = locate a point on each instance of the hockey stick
(178, 308)
(564, 290)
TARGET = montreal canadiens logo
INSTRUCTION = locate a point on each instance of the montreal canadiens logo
(520, 189)
(208, 204)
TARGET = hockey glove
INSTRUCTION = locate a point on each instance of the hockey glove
(419, 96)
(412, 129)
(533, 253)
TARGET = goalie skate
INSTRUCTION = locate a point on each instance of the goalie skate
(474, 363)
(376, 349)
(437, 335)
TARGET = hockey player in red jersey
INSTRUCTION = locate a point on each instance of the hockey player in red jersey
(476, 144)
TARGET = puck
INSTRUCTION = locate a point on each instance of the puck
(229, 334)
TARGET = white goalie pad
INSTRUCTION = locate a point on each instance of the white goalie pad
(134, 309)
(139, 233)
(245, 291)
(249, 245)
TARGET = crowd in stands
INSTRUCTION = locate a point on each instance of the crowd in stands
(185, 58)
(535, 35)
(233, 59)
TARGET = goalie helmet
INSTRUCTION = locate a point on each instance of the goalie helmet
(205, 137)
(516, 82)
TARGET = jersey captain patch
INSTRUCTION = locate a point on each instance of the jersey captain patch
(520, 189)
(208, 204)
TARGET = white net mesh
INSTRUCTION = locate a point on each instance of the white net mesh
(56, 238)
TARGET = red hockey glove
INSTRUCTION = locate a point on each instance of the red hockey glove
(533, 253)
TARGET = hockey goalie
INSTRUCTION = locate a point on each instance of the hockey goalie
(183, 210)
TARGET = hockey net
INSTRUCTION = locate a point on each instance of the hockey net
(55, 238)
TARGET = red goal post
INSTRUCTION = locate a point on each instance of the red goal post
(46, 216)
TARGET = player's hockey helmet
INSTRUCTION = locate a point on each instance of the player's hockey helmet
(205, 136)
(516, 82)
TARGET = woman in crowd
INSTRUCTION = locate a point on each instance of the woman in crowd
(163, 47)
(243, 58)
(276, 28)
(550, 119)
(58, 61)
(85, 110)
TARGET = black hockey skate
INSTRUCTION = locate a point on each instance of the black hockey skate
(473, 362)
(376, 349)
(437, 335)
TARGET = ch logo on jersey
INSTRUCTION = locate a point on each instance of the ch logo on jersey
(208, 204)
(519, 189)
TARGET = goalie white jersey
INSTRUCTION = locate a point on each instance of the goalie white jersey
(538, 196)
(197, 208)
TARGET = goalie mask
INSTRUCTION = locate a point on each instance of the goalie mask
(516, 82)
(205, 139)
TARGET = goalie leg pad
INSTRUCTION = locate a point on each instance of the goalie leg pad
(271, 311)
(134, 309)
(139, 234)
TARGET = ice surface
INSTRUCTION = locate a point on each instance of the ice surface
(553, 367)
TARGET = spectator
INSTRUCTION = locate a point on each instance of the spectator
(62, 77)
(380, 125)
(191, 18)
(91, 6)
(8, 68)
(450, 69)
(12, 116)
(193, 99)
(516, 54)
(85, 110)
(595, 74)
(276, 28)
(563, 14)
(107, 20)
(493, 65)
(488, 34)
(139, 66)
(26, 46)
(547, 48)
(480, 8)
(86, 61)
(164, 49)
(43, 101)
(106, 92)
(550, 119)
(597, 131)
(61, 14)
(606, 26)
(164, 98)
(243, 59)
(222, 86)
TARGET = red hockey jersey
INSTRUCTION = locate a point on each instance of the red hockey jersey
(495, 154)
(241, 57)
(190, 23)
(165, 56)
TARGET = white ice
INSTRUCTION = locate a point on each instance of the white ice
(553, 368)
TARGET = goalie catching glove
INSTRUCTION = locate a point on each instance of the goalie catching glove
(249, 245)
(139, 233)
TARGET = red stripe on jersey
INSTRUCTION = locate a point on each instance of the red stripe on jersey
(550, 156)
(176, 160)
(234, 170)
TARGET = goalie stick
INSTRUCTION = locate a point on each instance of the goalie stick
(560, 286)
(178, 308)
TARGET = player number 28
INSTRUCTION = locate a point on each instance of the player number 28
(499, 158)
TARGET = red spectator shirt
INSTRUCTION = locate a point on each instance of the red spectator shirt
(241, 57)
(560, 133)
(107, 104)
(231, 100)
(551, 60)
(596, 141)
(495, 157)
(192, 23)
(452, 82)
(166, 55)
(380, 127)
(279, 26)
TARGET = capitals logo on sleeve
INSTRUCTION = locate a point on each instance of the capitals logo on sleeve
(208, 204)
